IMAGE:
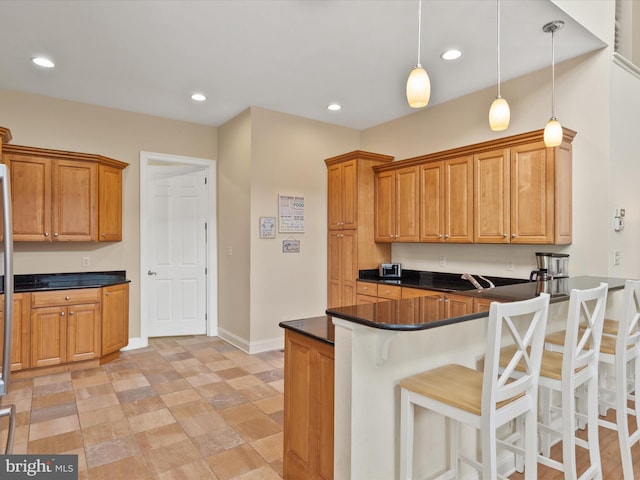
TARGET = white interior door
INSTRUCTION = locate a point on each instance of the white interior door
(177, 241)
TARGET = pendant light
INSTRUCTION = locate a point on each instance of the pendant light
(553, 130)
(418, 83)
(499, 113)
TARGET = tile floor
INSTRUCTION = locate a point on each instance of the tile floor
(182, 408)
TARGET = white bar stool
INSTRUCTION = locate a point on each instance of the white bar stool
(484, 400)
(622, 352)
(576, 367)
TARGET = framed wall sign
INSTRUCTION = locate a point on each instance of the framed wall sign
(290, 213)
(291, 245)
(267, 227)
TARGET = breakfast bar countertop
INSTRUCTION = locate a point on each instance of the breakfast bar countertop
(413, 313)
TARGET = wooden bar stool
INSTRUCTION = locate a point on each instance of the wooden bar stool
(484, 400)
(574, 368)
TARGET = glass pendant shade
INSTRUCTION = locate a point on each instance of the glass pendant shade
(499, 115)
(418, 88)
(553, 133)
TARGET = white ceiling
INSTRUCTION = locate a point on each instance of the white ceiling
(292, 56)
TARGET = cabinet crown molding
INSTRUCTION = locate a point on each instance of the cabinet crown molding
(5, 135)
(62, 154)
(360, 154)
(504, 142)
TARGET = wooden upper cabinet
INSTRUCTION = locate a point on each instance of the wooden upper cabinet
(432, 202)
(492, 197)
(64, 196)
(73, 204)
(541, 194)
(458, 219)
(343, 195)
(508, 190)
(110, 204)
(446, 205)
(30, 197)
(397, 195)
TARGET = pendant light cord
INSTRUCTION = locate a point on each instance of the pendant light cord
(419, 28)
(498, 46)
(553, 75)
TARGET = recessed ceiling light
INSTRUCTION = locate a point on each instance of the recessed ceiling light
(334, 107)
(43, 62)
(198, 97)
(452, 54)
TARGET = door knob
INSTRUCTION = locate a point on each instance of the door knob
(151, 273)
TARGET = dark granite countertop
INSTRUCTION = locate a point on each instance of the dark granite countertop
(62, 281)
(318, 328)
(416, 314)
(444, 282)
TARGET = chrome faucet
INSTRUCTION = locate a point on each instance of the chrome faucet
(491, 284)
(474, 282)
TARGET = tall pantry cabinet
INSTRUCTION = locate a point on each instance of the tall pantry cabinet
(350, 216)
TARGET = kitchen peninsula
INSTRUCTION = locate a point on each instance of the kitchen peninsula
(374, 346)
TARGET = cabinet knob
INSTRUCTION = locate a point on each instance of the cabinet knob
(513, 235)
(504, 235)
(46, 234)
(55, 234)
(446, 235)
(103, 234)
(391, 236)
(71, 313)
(106, 294)
(439, 235)
(366, 288)
(62, 314)
(67, 298)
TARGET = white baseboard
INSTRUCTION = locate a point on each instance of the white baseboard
(137, 342)
(249, 347)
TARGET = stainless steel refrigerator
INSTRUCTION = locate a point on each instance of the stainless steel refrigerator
(7, 411)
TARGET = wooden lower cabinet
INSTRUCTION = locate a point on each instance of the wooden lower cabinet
(308, 408)
(115, 318)
(20, 331)
(64, 333)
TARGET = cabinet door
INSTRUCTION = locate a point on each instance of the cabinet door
(48, 336)
(74, 193)
(458, 305)
(19, 331)
(532, 189)
(492, 198)
(115, 318)
(110, 204)
(31, 197)
(83, 332)
(432, 202)
(334, 197)
(459, 200)
(324, 408)
(384, 217)
(342, 194)
(342, 269)
(407, 201)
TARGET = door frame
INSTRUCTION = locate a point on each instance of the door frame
(147, 159)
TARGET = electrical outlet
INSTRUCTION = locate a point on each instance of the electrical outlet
(443, 261)
(617, 257)
(510, 266)
(86, 262)
(229, 251)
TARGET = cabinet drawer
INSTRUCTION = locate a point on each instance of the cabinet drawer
(65, 297)
(390, 291)
(364, 288)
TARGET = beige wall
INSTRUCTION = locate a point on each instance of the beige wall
(51, 123)
(234, 208)
(263, 153)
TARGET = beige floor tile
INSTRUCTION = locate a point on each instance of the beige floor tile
(53, 427)
(129, 383)
(241, 413)
(111, 451)
(113, 413)
(150, 420)
(221, 364)
(53, 378)
(96, 378)
(171, 456)
(237, 461)
(262, 473)
(97, 402)
(106, 431)
(182, 396)
(190, 409)
(270, 447)
(200, 424)
(161, 436)
(270, 404)
(203, 379)
(59, 443)
(131, 467)
(198, 470)
(244, 382)
(257, 428)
